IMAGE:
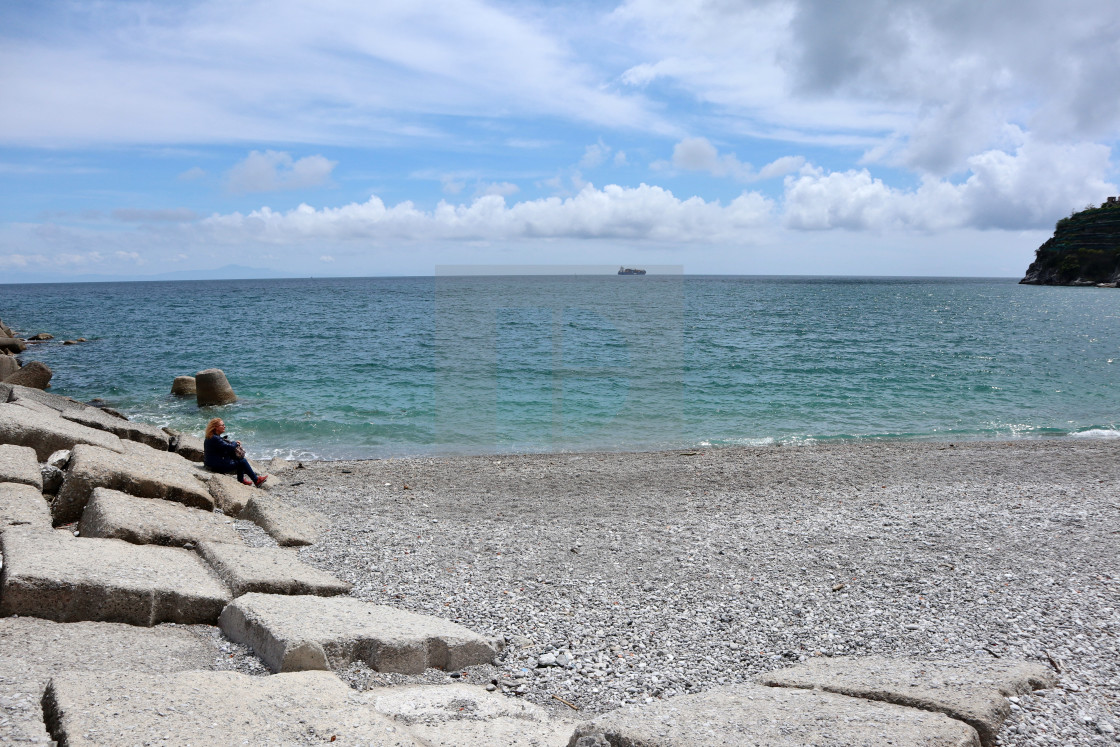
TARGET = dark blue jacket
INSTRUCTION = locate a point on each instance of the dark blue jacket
(218, 452)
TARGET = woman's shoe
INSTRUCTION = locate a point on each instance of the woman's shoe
(261, 479)
(246, 481)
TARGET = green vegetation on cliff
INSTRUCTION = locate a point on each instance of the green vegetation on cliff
(1084, 250)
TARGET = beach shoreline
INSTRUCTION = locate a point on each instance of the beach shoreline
(663, 573)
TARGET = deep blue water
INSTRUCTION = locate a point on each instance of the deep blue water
(371, 367)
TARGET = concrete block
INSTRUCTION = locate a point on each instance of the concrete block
(289, 525)
(9, 364)
(56, 402)
(268, 570)
(185, 445)
(972, 692)
(143, 472)
(57, 576)
(123, 429)
(775, 717)
(35, 374)
(213, 708)
(212, 388)
(19, 464)
(23, 505)
(49, 433)
(468, 716)
(111, 514)
(33, 650)
(228, 494)
(293, 633)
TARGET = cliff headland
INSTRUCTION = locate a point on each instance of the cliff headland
(1084, 250)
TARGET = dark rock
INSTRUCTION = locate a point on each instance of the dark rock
(12, 344)
(41, 336)
(212, 388)
(35, 375)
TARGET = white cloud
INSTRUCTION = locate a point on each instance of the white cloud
(193, 174)
(644, 213)
(698, 154)
(501, 189)
(326, 258)
(271, 170)
(595, 155)
(354, 73)
(1028, 188)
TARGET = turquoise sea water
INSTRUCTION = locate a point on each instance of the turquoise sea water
(370, 367)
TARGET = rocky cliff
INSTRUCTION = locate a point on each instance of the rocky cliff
(1084, 250)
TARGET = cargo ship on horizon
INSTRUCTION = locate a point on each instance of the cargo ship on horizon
(630, 271)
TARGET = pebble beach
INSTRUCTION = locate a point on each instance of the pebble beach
(618, 578)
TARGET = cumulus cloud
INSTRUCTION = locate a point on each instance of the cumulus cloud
(698, 154)
(613, 212)
(595, 155)
(270, 170)
(1023, 189)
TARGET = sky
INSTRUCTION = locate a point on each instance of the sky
(358, 138)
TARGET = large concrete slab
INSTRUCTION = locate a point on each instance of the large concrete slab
(32, 650)
(57, 576)
(776, 717)
(56, 402)
(19, 464)
(228, 494)
(142, 471)
(973, 692)
(111, 514)
(23, 505)
(289, 525)
(47, 434)
(213, 708)
(293, 633)
(268, 570)
(123, 429)
(468, 716)
(185, 445)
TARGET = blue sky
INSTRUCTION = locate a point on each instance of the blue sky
(363, 138)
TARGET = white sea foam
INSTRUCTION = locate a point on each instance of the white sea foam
(1097, 433)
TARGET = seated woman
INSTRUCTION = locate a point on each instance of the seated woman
(222, 455)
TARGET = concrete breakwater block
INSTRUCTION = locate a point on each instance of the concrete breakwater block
(289, 525)
(145, 474)
(23, 394)
(185, 445)
(47, 434)
(213, 708)
(230, 495)
(124, 429)
(268, 570)
(295, 708)
(973, 692)
(776, 717)
(23, 505)
(111, 514)
(12, 344)
(184, 386)
(212, 388)
(9, 364)
(34, 374)
(468, 716)
(33, 650)
(20, 464)
(293, 633)
(57, 576)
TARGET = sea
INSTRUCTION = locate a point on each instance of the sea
(345, 368)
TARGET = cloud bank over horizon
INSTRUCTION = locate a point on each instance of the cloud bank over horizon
(142, 135)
